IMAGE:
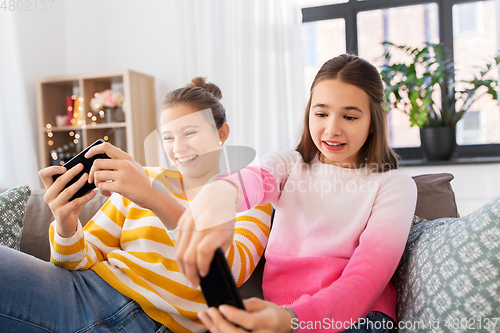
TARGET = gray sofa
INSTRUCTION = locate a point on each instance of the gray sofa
(436, 200)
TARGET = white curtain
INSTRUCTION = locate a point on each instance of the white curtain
(18, 155)
(252, 49)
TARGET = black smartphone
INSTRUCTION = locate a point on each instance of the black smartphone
(87, 164)
(218, 286)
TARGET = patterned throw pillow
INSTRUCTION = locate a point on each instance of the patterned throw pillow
(12, 210)
(448, 279)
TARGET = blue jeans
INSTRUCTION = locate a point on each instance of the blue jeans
(375, 322)
(37, 296)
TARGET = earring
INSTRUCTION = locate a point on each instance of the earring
(220, 143)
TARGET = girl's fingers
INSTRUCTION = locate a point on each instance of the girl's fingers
(200, 253)
(108, 149)
(190, 260)
(47, 173)
(213, 238)
(62, 198)
(208, 242)
(84, 199)
(66, 177)
(68, 192)
(195, 249)
(107, 188)
(102, 176)
(205, 254)
(239, 317)
(207, 321)
(183, 238)
(254, 304)
(259, 316)
(102, 164)
(222, 324)
(57, 187)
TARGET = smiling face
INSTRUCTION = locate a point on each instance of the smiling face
(339, 121)
(191, 140)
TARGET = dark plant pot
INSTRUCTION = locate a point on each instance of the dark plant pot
(438, 143)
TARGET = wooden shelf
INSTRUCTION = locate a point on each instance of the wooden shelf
(139, 108)
(87, 127)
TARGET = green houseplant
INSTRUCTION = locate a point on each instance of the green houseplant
(425, 89)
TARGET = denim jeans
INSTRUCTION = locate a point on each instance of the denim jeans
(37, 296)
(375, 322)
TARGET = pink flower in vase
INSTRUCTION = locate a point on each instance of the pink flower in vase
(108, 98)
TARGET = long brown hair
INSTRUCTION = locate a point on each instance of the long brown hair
(200, 95)
(351, 69)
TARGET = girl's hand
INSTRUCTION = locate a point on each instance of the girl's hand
(120, 174)
(65, 212)
(261, 316)
(207, 225)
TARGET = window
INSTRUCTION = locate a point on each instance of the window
(321, 40)
(313, 3)
(420, 25)
(466, 19)
(467, 28)
(472, 128)
(474, 43)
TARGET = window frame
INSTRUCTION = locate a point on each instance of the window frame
(349, 11)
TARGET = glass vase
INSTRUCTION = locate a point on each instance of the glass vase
(110, 115)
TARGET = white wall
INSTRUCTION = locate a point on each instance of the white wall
(86, 36)
(168, 38)
(32, 45)
(81, 36)
(114, 34)
(474, 184)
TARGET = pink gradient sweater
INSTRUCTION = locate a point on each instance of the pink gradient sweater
(337, 237)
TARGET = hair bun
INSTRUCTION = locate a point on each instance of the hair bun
(208, 86)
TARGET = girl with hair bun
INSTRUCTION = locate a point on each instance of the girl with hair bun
(119, 273)
(343, 214)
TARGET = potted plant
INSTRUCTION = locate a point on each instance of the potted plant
(425, 89)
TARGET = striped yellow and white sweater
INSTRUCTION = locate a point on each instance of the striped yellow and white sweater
(130, 248)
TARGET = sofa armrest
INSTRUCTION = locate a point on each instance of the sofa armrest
(435, 198)
(35, 236)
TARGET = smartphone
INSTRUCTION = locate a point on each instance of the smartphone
(87, 164)
(218, 286)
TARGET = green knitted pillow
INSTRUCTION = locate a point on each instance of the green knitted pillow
(449, 276)
(12, 211)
